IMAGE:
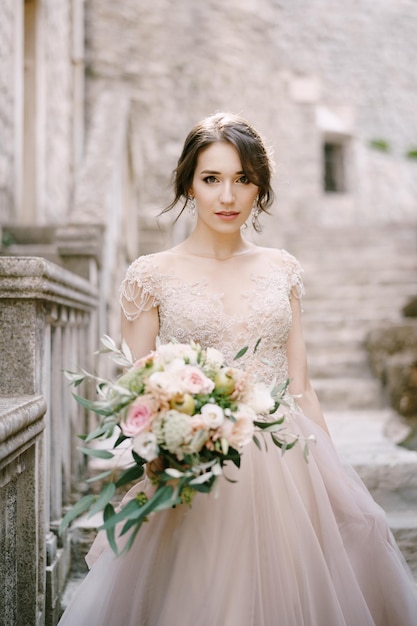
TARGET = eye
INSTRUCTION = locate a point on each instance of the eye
(244, 180)
(210, 180)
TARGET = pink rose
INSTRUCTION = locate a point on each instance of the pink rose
(139, 415)
(194, 381)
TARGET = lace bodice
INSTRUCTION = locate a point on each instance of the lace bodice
(224, 304)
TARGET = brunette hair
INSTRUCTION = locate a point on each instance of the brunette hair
(235, 130)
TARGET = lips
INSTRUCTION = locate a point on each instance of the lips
(227, 213)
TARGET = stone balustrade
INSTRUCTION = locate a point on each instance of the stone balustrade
(48, 323)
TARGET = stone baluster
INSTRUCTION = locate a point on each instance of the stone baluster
(47, 324)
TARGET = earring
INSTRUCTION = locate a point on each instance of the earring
(255, 219)
(191, 207)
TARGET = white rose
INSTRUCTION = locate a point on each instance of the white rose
(214, 359)
(169, 381)
(212, 415)
(259, 398)
(145, 444)
(183, 351)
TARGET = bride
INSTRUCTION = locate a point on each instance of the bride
(290, 543)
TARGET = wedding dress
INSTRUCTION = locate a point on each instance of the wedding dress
(291, 543)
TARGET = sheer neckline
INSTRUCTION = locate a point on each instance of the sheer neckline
(252, 249)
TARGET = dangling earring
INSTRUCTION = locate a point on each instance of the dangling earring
(255, 219)
(191, 207)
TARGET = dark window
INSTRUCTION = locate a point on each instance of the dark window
(333, 170)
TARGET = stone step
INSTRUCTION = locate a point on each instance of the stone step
(388, 470)
(348, 393)
(333, 289)
(404, 528)
(344, 363)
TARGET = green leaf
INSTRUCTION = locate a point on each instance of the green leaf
(241, 352)
(99, 476)
(120, 440)
(132, 538)
(103, 499)
(101, 430)
(99, 454)
(80, 507)
(96, 407)
(127, 512)
(278, 442)
(268, 426)
(132, 473)
(257, 344)
(107, 514)
(257, 442)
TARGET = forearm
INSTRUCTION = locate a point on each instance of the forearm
(309, 403)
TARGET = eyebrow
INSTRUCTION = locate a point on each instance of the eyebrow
(219, 173)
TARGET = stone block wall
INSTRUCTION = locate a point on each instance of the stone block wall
(301, 71)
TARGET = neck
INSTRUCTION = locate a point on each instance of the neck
(216, 246)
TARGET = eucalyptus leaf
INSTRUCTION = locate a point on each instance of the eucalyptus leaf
(109, 343)
(80, 507)
(127, 512)
(105, 495)
(100, 476)
(97, 453)
(241, 352)
(257, 344)
(257, 442)
(107, 514)
(132, 473)
(101, 430)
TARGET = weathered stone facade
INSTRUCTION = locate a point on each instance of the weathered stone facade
(305, 73)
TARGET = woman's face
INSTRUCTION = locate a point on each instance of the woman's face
(224, 196)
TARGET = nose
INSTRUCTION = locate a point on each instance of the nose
(226, 196)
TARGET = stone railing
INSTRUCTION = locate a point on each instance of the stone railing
(48, 323)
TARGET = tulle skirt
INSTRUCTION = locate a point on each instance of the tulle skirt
(290, 544)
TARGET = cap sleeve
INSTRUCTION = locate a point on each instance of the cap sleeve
(138, 291)
(294, 275)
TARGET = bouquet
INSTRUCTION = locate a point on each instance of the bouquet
(183, 411)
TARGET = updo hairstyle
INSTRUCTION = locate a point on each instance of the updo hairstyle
(256, 164)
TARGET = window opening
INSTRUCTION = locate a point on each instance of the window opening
(333, 170)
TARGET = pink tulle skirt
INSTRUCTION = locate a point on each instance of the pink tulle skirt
(290, 544)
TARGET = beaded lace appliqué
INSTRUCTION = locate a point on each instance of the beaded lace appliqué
(190, 311)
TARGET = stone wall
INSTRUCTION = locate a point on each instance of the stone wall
(301, 71)
(41, 108)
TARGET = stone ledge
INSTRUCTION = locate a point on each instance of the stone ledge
(36, 278)
(21, 420)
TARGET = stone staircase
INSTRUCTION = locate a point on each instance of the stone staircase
(356, 278)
